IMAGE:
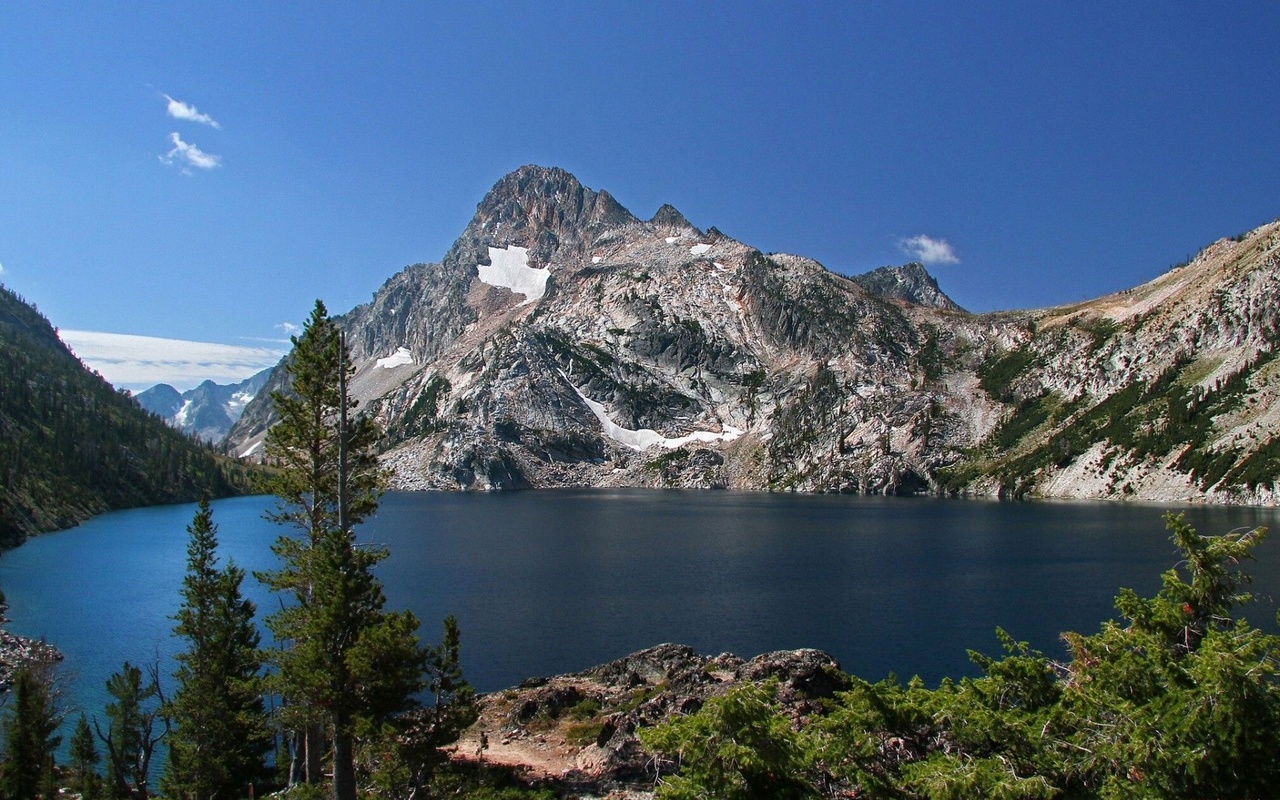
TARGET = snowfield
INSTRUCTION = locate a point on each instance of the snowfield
(699, 249)
(510, 270)
(399, 358)
(645, 438)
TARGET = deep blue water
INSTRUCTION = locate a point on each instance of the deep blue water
(556, 581)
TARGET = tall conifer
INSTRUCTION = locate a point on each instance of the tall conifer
(219, 737)
(83, 763)
(341, 657)
(131, 736)
(30, 740)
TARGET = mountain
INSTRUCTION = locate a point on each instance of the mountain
(72, 446)
(910, 283)
(208, 411)
(563, 341)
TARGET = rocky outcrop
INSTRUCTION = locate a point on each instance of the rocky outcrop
(18, 652)
(579, 730)
(562, 341)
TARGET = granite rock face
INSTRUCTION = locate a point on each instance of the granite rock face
(562, 341)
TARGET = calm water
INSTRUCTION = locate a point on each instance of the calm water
(555, 581)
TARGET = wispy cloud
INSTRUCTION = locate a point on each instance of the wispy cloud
(140, 362)
(187, 155)
(180, 110)
(928, 250)
(1, 269)
(289, 329)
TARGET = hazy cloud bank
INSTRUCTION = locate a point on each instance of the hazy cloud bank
(140, 362)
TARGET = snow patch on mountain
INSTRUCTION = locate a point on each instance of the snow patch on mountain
(401, 357)
(239, 400)
(645, 438)
(181, 420)
(699, 249)
(509, 269)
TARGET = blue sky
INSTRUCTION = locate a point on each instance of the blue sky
(1061, 151)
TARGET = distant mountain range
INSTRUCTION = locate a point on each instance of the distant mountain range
(207, 411)
(562, 341)
(72, 446)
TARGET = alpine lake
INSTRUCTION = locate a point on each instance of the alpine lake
(553, 581)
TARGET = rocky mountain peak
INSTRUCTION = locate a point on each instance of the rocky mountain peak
(668, 220)
(910, 283)
(540, 207)
(563, 342)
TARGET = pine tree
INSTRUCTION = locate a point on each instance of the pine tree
(454, 708)
(342, 657)
(30, 739)
(219, 736)
(402, 755)
(84, 762)
(130, 738)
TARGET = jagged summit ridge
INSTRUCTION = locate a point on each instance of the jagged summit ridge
(910, 283)
(671, 222)
(541, 208)
(649, 353)
(208, 411)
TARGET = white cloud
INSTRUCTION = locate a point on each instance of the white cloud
(928, 250)
(289, 328)
(1, 269)
(180, 110)
(188, 155)
(140, 362)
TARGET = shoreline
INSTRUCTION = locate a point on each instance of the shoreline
(17, 652)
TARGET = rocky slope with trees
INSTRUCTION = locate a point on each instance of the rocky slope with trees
(71, 446)
(563, 341)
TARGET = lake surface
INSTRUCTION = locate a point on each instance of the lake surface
(546, 582)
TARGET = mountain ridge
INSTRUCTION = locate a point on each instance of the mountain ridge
(207, 411)
(74, 447)
(563, 341)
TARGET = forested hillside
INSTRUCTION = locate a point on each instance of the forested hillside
(71, 446)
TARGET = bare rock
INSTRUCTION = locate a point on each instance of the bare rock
(580, 730)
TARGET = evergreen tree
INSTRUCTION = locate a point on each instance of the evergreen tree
(130, 738)
(84, 762)
(342, 657)
(30, 740)
(737, 747)
(454, 708)
(219, 736)
(402, 754)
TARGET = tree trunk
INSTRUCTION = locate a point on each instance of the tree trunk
(313, 743)
(296, 748)
(344, 767)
